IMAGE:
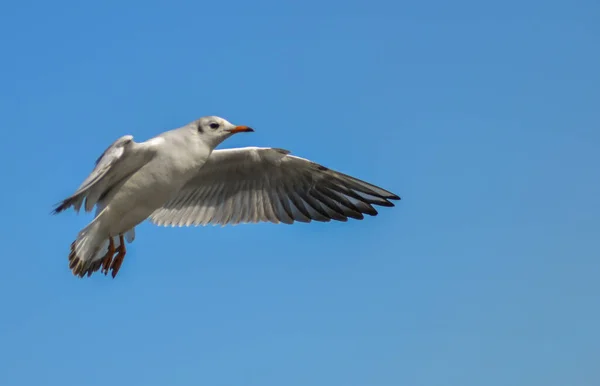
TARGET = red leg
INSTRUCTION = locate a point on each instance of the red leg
(121, 251)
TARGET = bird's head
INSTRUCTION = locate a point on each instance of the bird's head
(213, 130)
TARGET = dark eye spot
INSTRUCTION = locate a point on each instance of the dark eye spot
(214, 125)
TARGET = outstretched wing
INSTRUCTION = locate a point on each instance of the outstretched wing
(268, 185)
(122, 158)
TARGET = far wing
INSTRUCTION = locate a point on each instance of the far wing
(118, 161)
(268, 185)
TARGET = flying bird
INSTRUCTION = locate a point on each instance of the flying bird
(178, 179)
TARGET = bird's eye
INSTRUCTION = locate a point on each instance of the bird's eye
(214, 125)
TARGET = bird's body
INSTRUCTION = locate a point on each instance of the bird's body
(178, 179)
(154, 183)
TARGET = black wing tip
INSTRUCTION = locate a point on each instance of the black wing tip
(391, 196)
(60, 207)
(64, 205)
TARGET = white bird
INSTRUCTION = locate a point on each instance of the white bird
(178, 179)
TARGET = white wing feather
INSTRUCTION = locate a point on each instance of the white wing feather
(268, 185)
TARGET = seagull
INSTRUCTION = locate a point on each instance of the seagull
(178, 179)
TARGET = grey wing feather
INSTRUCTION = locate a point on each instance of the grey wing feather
(118, 161)
(269, 185)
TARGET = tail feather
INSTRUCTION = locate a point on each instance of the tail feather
(84, 250)
(89, 250)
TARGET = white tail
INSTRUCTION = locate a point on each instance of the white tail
(84, 249)
(90, 251)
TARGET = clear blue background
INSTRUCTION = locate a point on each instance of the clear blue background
(485, 118)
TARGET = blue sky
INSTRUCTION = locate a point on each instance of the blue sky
(483, 117)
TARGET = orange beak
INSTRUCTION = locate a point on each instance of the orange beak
(241, 129)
